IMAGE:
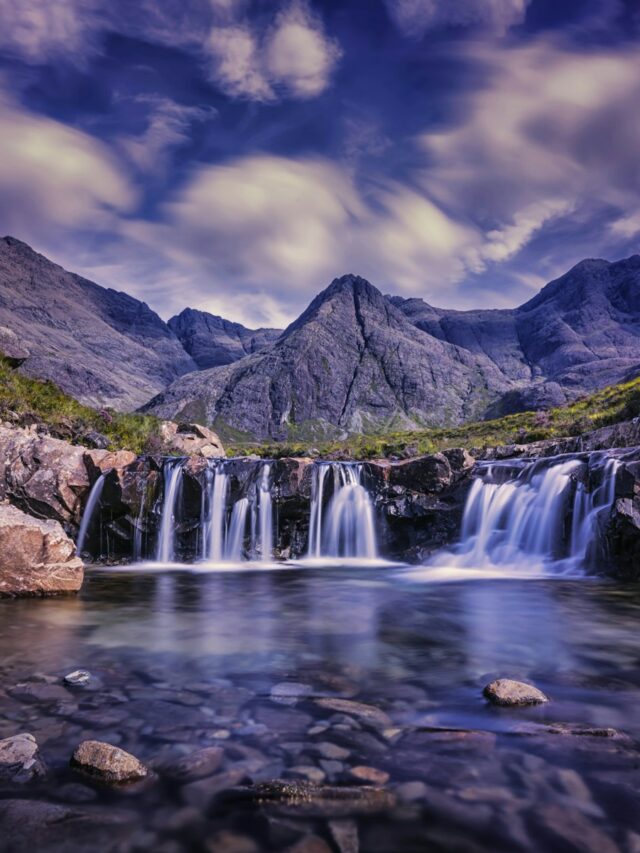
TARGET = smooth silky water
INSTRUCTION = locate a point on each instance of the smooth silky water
(188, 659)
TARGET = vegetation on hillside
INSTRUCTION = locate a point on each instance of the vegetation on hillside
(25, 401)
(611, 405)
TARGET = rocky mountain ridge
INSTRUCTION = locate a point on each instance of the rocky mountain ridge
(354, 361)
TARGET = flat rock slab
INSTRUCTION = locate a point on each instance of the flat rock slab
(107, 763)
(508, 693)
(365, 713)
(20, 759)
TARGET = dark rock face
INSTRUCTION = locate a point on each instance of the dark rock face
(357, 361)
(212, 341)
(351, 362)
(100, 346)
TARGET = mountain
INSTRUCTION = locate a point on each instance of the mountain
(212, 341)
(351, 362)
(580, 333)
(103, 347)
(357, 361)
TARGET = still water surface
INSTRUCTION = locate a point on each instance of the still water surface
(184, 660)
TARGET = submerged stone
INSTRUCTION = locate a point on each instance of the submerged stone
(20, 759)
(107, 763)
(78, 677)
(508, 693)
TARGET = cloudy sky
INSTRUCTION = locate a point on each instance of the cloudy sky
(236, 155)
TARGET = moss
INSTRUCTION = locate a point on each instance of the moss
(26, 400)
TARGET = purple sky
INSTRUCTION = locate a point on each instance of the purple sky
(236, 155)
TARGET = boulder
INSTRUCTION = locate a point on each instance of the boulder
(509, 693)
(11, 349)
(36, 556)
(20, 759)
(190, 440)
(622, 539)
(107, 763)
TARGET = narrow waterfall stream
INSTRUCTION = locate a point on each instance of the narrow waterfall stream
(166, 538)
(533, 515)
(90, 510)
(345, 527)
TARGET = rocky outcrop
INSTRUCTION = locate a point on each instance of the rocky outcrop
(50, 478)
(11, 350)
(100, 346)
(36, 556)
(190, 440)
(212, 341)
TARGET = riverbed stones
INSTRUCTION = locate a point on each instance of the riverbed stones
(78, 678)
(369, 775)
(508, 693)
(36, 556)
(107, 763)
(366, 713)
(196, 765)
(20, 759)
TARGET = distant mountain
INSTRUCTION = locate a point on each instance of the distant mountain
(580, 333)
(351, 362)
(358, 361)
(354, 361)
(213, 341)
(100, 346)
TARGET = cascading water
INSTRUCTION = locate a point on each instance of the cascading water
(172, 472)
(345, 528)
(216, 526)
(237, 528)
(265, 514)
(87, 517)
(537, 515)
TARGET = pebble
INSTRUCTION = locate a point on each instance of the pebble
(345, 835)
(411, 792)
(78, 677)
(288, 692)
(371, 775)
(367, 713)
(307, 771)
(331, 751)
(508, 693)
(196, 765)
(107, 763)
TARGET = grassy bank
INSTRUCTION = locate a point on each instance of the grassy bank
(611, 405)
(26, 401)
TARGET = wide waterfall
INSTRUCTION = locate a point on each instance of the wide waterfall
(345, 526)
(540, 515)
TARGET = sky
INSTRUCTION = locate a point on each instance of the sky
(237, 155)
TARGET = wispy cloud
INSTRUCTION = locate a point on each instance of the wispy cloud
(414, 17)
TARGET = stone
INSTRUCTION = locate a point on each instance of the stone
(345, 835)
(195, 765)
(367, 713)
(307, 771)
(20, 759)
(230, 842)
(509, 693)
(309, 844)
(107, 763)
(190, 440)
(307, 799)
(288, 692)
(36, 556)
(78, 678)
(331, 751)
(39, 692)
(369, 775)
(411, 792)
(11, 349)
(568, 829)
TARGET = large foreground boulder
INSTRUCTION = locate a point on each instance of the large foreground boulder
(36, 556)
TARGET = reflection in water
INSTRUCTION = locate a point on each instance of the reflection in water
(185, 660)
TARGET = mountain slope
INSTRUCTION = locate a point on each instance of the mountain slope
(103, 347)
(213, 341)
(351, 362)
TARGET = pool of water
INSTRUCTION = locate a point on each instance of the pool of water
(247, 661)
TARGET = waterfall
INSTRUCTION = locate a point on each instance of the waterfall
(216, 528)
(172, 473)
(87, 515)
(539, 514)
(265, 514)
(237, 528)
(346, 527)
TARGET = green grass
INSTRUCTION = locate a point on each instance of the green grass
(37, 401)
(611, 405)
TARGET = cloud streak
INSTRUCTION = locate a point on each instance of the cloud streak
(415, 17)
